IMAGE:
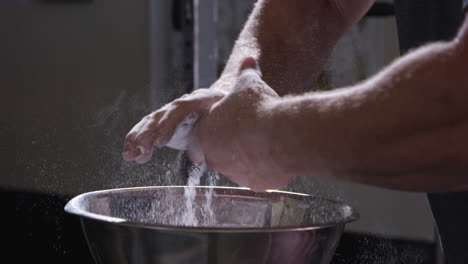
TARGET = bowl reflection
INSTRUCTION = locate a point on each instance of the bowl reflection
(222, 225)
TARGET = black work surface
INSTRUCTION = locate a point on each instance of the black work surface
(36, 229)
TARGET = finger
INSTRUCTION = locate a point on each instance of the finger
(171, 120)
(139, 133)
(127, 152)
(145, 156)
(144, 150)
(148, 133)
(204, 97)
(130, 144)
(162, 127)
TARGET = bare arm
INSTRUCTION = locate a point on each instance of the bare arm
(406, 128)
(292, 40)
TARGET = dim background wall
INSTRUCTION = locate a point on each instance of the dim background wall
(75, 77)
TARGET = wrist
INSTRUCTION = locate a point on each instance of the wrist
(278, 133)
(305, 131)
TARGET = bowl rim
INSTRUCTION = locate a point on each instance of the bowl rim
(72, 207)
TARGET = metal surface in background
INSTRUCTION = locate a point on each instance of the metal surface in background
(197, 22)
(205, 56)
(136, 225)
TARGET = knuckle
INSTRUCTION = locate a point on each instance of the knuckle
(154, 119)
(154, 114)
(146, 118)
(140, 137)
(181, 102)
(158, 115)
(145, 135)
(130, 136)
(199, 91)
(175, 103)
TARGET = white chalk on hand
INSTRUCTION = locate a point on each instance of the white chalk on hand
(142, 151)
(181, 138)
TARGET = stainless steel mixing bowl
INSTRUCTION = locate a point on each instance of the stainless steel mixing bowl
(230, 225)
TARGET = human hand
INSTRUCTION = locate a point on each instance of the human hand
(168, 126)
(235, 136)
(232, 135)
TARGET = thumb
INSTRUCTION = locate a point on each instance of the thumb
(250, 64)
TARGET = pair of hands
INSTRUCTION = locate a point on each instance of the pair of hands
(232, 134)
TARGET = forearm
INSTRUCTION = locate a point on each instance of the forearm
(406, 128)
(292, 40)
